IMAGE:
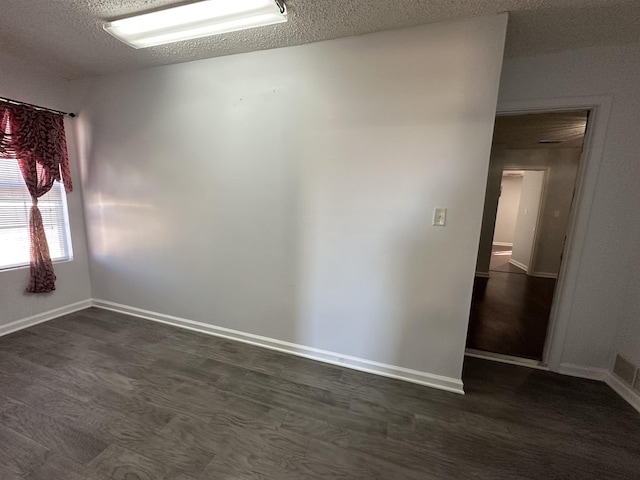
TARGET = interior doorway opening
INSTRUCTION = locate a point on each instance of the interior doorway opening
(516, 225)
(532, 177)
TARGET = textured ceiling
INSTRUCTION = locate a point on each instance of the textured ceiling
(66, 36)
(557, 130)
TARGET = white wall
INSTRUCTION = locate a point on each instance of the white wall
(527, 217)
(562, 168)
(604, 310)
(29, 84)
(628, 336)
(507, 215)
(289, 193)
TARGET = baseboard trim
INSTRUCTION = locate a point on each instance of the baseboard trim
(603, 375)
(400, 373)
(482, 274)
(508, 359)
(627, 393)
(519, 265)
(544, 275)
(503, 244)
(580, 371)
(43, 317)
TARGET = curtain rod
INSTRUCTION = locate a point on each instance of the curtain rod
(18, 102)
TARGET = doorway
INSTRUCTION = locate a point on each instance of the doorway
(516, 224)
(532, 177)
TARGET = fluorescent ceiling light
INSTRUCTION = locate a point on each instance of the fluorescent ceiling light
(195, 20)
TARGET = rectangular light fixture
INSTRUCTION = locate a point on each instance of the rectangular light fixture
(195, 20)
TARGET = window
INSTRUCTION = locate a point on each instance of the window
(15, 205)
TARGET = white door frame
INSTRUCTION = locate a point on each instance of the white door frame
(599, 108)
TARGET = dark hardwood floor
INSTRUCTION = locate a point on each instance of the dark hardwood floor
(510, 314)
(98, 395)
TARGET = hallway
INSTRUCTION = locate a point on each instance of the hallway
(510, 314)
(500, 257)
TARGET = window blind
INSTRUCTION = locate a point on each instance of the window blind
(15, 205)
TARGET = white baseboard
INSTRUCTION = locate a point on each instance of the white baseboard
(518, 264)
(590, 373)
(503, 244)
(43, 317)
(508, 359)
(627, 393)
(580, 371)
(482, 274)
(603, 375)
(544, 274)
(400, 373)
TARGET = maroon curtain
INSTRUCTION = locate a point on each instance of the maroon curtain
(36, 139)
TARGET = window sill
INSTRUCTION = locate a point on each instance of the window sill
(22, 267)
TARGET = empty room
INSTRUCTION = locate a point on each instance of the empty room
(291, 239)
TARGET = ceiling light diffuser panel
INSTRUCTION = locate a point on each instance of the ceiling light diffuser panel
(195, 20)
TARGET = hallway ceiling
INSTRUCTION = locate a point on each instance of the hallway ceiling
(556, 130)
(66, 37)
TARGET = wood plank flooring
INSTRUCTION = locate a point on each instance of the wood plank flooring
(97, 395)
(510, 314)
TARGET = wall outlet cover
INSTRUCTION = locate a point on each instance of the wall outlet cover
(439, 216)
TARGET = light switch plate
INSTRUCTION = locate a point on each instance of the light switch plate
(439, 216)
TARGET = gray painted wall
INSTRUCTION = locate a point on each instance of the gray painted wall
(289, 193)
(628, 335)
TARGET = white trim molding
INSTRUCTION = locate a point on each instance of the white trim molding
(580, 371)
(544, 274)
(631, 396)
(627, 393)
(518, 264)
(503, 244)
(508, 359)
(392, 371)
(599, 109)
(43, 317)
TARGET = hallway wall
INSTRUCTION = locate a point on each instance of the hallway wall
(511, 188)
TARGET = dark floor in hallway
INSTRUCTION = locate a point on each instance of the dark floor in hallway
(97, 395)
(499, 262)
(510, 314)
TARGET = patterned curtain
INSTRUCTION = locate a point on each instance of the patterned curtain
(37, 140)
